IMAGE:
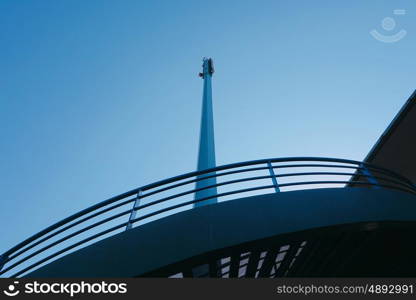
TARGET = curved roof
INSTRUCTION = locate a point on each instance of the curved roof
(232, 229)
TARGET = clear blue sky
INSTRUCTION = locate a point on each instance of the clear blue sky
(99, 97)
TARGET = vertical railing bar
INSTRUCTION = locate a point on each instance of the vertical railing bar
(273, 176)
(134, 210)
(370, 177)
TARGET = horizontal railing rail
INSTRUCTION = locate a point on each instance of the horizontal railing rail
(121, 212)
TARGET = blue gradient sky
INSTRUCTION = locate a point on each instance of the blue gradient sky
(99, 97)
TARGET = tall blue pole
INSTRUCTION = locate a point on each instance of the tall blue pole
(206, 155)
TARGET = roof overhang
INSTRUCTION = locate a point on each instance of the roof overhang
(396, 148)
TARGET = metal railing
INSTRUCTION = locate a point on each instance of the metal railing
(169, 196)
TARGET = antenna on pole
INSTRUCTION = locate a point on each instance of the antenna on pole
(207, 67)
(206, 154)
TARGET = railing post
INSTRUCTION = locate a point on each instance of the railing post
(133, 210)
(271, 171)
(371, 179)
(3, 260)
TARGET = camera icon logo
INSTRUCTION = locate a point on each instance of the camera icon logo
(11, 290)
(388, 24)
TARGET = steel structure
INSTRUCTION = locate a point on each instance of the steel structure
(173, 195)
(296, 216)
(206, 155)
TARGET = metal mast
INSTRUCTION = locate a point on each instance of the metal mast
(206, 156)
